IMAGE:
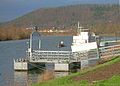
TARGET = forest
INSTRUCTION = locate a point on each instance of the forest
(102, 19)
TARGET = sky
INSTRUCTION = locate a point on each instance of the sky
(11, 9)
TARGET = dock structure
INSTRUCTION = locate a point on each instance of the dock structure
(20, 65)
(82, 49)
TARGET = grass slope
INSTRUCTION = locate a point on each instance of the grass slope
(114, 81)
(68, 80)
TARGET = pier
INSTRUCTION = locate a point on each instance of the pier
(84, 48)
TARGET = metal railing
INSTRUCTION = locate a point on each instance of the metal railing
(62, 56)
(109, 51)
(51, 56)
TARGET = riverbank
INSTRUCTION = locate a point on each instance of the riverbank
(13, 34)
(107, 74)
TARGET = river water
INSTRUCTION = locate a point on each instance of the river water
(8, 51)
(17, 49)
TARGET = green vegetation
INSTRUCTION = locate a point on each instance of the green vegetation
(68, 80)
(114, 81)
(65, 81)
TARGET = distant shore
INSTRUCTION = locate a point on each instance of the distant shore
(13, 33)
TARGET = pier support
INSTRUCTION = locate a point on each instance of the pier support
(21, 66)
(61, 67)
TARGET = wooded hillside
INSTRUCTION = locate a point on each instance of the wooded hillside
(69, 15)
(103, 19)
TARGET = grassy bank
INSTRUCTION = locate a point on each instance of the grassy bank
(69, 81)
(113, 81)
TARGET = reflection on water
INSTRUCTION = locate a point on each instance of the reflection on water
(27, 78)
(20, 78)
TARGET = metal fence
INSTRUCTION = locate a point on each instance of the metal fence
(109, 51)
(62, 56)
(51, 56)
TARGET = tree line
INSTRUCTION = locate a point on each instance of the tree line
(13, 33)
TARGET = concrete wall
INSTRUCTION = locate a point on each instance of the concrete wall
(61, 67)
(20, 66)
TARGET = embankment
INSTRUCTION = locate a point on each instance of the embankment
(101, 74)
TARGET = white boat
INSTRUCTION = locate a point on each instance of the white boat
(84, 40)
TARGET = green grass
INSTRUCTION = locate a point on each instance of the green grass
(114, 81)
(67, 81)
(62, 82)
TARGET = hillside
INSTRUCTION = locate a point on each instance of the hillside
(102, 19)
(69, 15)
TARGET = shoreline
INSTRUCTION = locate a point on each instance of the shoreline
(57, 34)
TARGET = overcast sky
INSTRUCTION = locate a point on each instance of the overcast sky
(10, 9)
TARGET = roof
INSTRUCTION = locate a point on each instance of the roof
(50, 43)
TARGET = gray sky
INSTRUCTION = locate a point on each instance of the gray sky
(10, 9)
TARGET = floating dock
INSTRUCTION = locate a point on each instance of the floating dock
(82, 48)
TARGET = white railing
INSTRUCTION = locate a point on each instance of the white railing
(62, 56)
(110, 51)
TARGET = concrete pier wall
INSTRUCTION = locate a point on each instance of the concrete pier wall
(56, 66)
(21, 66)
(61, 67)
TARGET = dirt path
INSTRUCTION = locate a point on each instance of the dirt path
(100, 74)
